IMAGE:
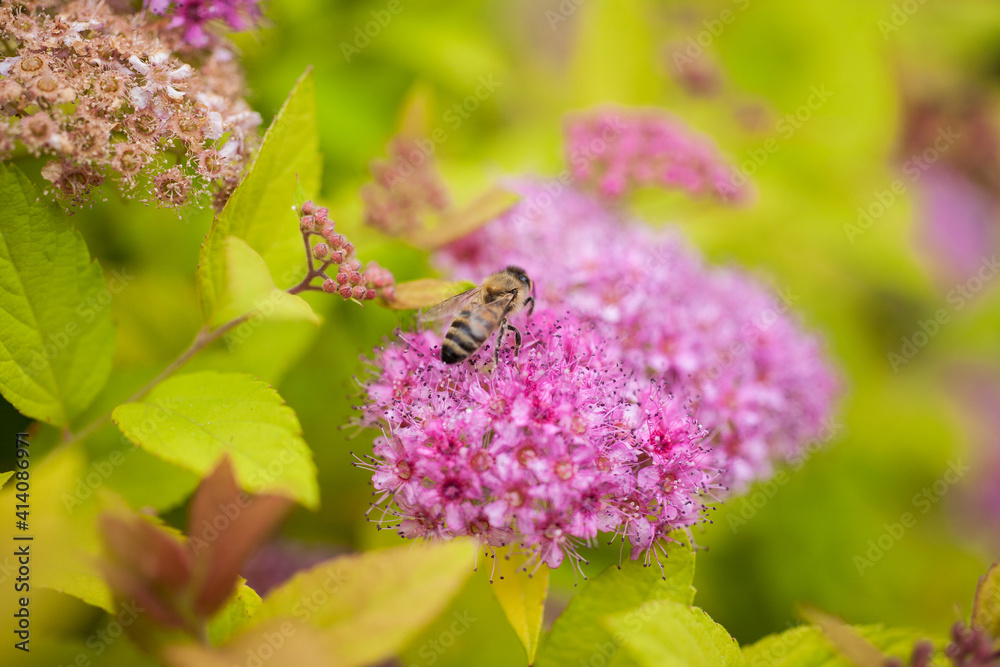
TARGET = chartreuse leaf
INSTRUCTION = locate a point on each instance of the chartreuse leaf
(522, 598)
(459, 222)
(367, 607)
(297, 645)
(192, 420)
(235, 615)
(986, 607)
(250, 289)
(806, 646)
(4, 477)
(260, 209)
(426, 292)
(66, 497)
(56, 339)
(580, 631)
(845, 639)
(662, 633)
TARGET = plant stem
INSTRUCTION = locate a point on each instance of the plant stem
(203, 339)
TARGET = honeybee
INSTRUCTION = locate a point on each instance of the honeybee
(482, 310)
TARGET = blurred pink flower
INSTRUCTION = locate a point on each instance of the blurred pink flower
(545, 449)
(957, 223)
(615, 151)
(191, 16)
(761, 385)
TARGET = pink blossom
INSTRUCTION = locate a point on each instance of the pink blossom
(191, 16)
(615, 151)
(761, 385)
(545, 449)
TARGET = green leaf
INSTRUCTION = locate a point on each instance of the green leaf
(297, 645)
(806, 646)
(415, 112)
(661, 633)
(986, 607)
(192, 420)
(845, 639)
(250, 289)
(4, 477)
(66, 523)
(56, 339)
(461, 222)
(260, 209)
(522, 599)
(388, 595)
(235, 615)
(426, 292)
(579, 632)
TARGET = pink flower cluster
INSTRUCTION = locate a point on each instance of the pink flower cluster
(615, 152)
(545, 449)
(760, 384)
(191, 16)
(404, 188)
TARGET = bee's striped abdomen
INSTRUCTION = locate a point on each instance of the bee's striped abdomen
(470, 330)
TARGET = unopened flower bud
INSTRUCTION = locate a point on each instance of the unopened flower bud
(370, 293)
(308, 208)
(320, 251)
(349, 249)
(356, 279)
(346, 291)
(337, 257)
(322, 214)
(336, 241)
(342, 278)
(327, 230)
(307, 224)
(389, 293)
(329, 286)
(359, 292)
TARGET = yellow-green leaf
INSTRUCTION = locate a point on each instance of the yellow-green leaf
(806, 646)
(580, 632)
(4, 477)
(235, 615)
(415, 112)
(65, 504)
(250, 289)
(455, 224)
(847, 641)
(192, 420)
(56, 334)
(662, 633)
(986, 608)
(425, 292)
(522, 598)
(260, 209)
(389, 595)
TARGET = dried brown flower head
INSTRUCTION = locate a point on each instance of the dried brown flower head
(98, 91)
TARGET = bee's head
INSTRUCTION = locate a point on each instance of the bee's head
(519, 273)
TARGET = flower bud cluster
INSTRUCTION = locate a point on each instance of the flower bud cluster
(346, 277)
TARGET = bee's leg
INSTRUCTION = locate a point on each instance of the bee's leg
(500, 332)
(517, 339)
(531, 305)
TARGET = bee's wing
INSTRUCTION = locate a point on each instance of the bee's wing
(504, 302)
(443, 313)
